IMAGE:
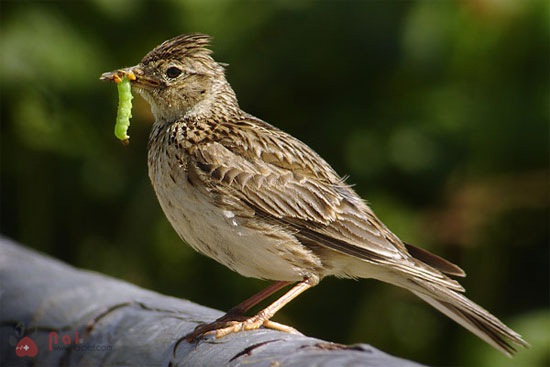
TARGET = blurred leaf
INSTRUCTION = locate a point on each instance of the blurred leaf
(45, 49)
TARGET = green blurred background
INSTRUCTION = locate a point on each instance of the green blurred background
(438, 111)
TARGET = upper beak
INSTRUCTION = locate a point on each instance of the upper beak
(132, 73)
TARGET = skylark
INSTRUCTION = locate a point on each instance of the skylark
(265, 205)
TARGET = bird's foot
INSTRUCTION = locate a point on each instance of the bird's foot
(253, 323)
(231, 323)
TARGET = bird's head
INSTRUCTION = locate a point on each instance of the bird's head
(179, 77)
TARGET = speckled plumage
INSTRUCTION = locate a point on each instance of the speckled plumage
(264, 204)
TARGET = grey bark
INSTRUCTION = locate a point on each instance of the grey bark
(119, 324)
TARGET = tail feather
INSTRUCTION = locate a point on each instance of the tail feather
(470, 315)
(436, 262)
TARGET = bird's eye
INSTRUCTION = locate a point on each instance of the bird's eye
(173, 72)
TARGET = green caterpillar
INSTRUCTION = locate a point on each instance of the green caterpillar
(124, 111)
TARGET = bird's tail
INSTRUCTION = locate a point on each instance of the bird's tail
(468, 314)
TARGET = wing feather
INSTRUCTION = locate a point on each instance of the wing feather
(285, 183)
(288, 190)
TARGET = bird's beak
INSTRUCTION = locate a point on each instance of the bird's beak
(135, 74)
(132, 73)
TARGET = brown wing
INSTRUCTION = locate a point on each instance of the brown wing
(286, 183)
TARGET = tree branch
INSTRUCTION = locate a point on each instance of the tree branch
(81, 318)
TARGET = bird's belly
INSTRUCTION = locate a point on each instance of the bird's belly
(268, 253)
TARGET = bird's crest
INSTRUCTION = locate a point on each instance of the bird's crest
(185, 45)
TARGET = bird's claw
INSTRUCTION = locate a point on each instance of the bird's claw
(225, 326)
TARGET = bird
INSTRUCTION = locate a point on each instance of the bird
(264, 204)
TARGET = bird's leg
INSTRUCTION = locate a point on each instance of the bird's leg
(247, 304)
(262, 317)
(232, 323)
(236, 313)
